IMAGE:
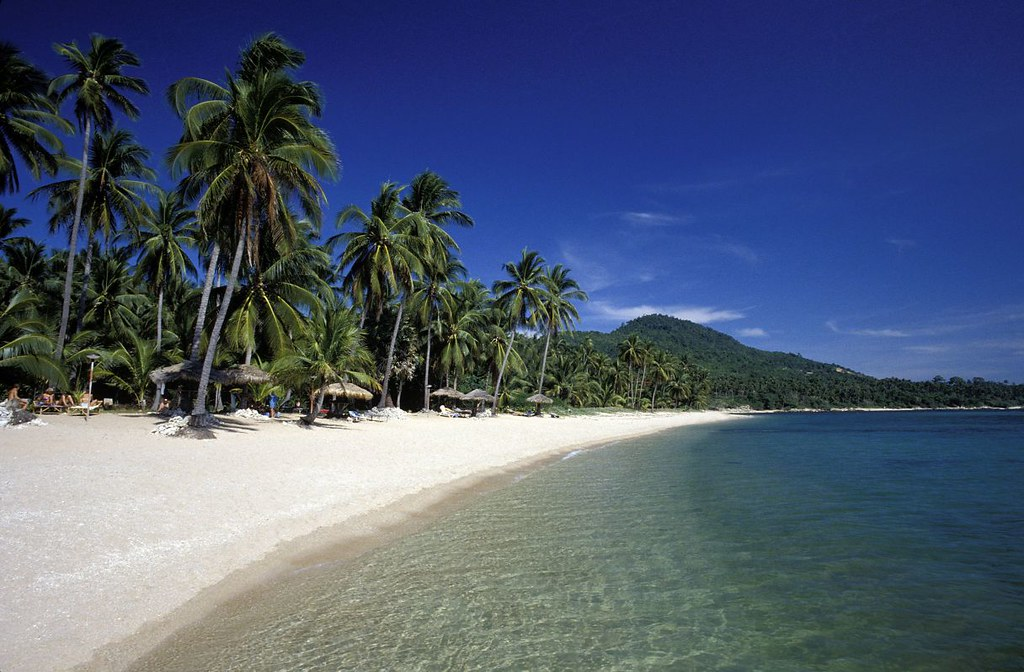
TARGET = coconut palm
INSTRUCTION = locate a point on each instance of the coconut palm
(329, 350)
(560, 291)
(24, 345)
(278, 295)
(520, 298)
(249, 148)
(459, 327)
(129, 366)
(430, 293)
(9, 223)
(25, 113)
(96, 82)
(161, 240)
(116, 182)
(386, 254)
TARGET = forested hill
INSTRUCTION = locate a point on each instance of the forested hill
(744, 376)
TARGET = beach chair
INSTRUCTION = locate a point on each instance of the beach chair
(91, 407)
(356, 416)
(447, 412)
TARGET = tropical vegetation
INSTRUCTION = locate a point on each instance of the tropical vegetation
(230, 265)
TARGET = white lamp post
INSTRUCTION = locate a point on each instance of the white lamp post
(92, 363)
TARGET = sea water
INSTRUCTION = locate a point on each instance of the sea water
(852, 541)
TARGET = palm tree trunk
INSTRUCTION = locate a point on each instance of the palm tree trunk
(86, 278)
(159, 339)
(65, 311)
(501, 373)
(391, 355)
(314, 411)
(203, 303)
(198, 418)
(426, 365)
(544, 361)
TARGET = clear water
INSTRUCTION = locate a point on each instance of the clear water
(867, 541)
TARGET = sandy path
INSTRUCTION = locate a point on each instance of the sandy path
(107, 527)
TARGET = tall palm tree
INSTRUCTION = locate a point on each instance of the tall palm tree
(25, 113)
(560, 290)
(433, 290)
(9, 223)
(161, 240)
(116, 181)
(386, 255)
(459, 327)
(520, 298)
(250, 147)
(96, 81)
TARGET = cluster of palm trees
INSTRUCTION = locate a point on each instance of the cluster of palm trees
(229, 267)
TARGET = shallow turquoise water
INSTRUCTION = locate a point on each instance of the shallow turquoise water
(861, 541)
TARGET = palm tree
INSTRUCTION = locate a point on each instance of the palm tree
(520, 299)
(96, 82)
(330, 350)
(387, 253)
(433, 290)
(459, 327)
(161, 240)
(249, 148)
(115, 183)
(24, 344)
(9, 223)
(560, 313)
(25, 110)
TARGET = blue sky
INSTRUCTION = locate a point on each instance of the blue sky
(840, 180)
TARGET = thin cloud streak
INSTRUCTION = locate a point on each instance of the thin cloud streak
(699, 314)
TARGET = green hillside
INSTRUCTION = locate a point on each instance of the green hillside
(745, 376)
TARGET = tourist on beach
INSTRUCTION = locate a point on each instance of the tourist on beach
(14, 401)
(273, 405)
(165, 405)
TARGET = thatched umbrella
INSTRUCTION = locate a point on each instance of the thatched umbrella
(183, 371)
(539, 399)
(349, 390)
(478, 395)
(244, 374)
(449, 392)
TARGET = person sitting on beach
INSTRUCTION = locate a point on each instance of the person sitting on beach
(67, 399)
(47, 398)
(14, 401)
(165, 405)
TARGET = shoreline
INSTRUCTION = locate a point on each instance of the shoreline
(117, 537)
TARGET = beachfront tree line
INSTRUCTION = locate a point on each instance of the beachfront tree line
(230, 266)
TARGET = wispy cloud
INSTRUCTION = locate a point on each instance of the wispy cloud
(699, 314)
(901, 243)
(653, 219)
(719, 184)
(736, 250)
(752, 332)
(876, 333)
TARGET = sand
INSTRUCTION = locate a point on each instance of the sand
(113, 536)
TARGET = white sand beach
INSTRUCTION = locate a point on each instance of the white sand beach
(114, 535)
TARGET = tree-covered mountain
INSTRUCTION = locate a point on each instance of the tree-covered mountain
(744, 376)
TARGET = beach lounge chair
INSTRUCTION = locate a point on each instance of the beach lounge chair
(447, 412)
(356, 416)
(91, 407)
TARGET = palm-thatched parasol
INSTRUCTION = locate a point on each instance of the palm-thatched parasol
(449, 392)
(183, 371)
(245, 374)
(540, 399)
(349, 390)
(478, 396)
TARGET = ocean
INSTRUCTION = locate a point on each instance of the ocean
(819, 541)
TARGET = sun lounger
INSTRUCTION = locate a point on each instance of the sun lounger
(48, 408)
(80, 409)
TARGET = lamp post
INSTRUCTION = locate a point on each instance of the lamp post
(92, 364)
